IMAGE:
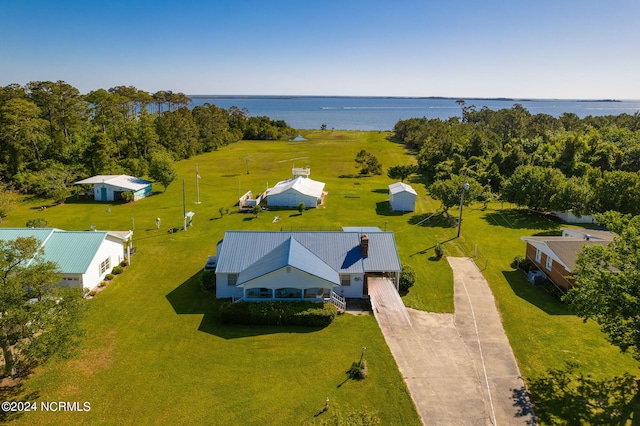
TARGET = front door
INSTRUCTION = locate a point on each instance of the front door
(103, 194)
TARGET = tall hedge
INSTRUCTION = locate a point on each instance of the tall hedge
(278, 313)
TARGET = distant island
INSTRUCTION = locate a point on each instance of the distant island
(499, 99)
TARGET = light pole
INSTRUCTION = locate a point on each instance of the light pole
(465, 187)
(362, 355)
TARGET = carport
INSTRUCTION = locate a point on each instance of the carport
(386, 302)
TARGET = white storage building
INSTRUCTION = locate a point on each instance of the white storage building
(292, 192)
(111, 187)
(402, 197)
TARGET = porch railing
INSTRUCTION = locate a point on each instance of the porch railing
(238, 298)
(338, 301)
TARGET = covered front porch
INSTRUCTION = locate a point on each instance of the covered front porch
(312, 294)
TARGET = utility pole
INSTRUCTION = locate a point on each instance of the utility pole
(465, 187)
(184, 208)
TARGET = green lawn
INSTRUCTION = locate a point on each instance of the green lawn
(542, 331)
(154, 352)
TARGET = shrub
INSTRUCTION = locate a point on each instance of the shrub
(208, 280)
(117, 270)
(554, 291)
(92, 293)
(127, 196)
(407, 278)
(439, 250)
(358, 371)
(361, 417)
(301, 207)
(523, 264)
(37, 223)
(278, 313)
(124, 263)
(108, 277)
(102, 284)
(517, 261)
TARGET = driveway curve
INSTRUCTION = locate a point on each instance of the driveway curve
(459, 368)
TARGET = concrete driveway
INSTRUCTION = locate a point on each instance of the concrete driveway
(460, 369)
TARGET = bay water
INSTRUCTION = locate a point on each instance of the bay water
(382, 113)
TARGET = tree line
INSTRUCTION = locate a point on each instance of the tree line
(51, 134)
(586, 165)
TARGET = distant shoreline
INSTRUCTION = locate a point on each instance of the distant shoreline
(403, 97)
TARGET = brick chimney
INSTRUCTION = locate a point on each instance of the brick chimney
(364, 245)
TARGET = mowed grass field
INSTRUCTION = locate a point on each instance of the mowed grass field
(154, 352)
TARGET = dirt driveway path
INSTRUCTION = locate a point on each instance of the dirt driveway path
(460, 369)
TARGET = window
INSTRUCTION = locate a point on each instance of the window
(232, 279)
(345, 280)
(549, 263)
(289, 293)
(538, 256)
(105, 265)
(259, 293)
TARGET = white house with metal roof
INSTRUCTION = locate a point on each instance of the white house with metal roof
(83, 257)
(259, 265)
(292, 192)
(402, 197)
(111, 187)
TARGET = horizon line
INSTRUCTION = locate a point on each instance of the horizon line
(499, 98)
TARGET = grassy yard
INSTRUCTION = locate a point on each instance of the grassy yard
(542, 331)
(155, 353)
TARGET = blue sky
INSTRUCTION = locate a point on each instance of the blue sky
(584, 49)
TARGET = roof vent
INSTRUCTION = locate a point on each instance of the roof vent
(364, 245)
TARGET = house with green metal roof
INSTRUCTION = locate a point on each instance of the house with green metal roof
(265, 265)
(83, 257)
(111, 187)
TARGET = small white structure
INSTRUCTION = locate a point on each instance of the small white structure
(301, 171)
(292, 192)
(402, 197)
(111, 187)
(570, 217)
(246, 203)
(83, 257)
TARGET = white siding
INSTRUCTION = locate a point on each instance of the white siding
(294, 278)
(569, 217)
(354, 290)
(402, 201)
(222, 289)
(71, 280)
(291, 198)
(110, 248)
(111, 190)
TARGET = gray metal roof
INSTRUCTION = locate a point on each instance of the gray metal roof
(339, 250)
(290, 253)
(564, 250)
(122, 181)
